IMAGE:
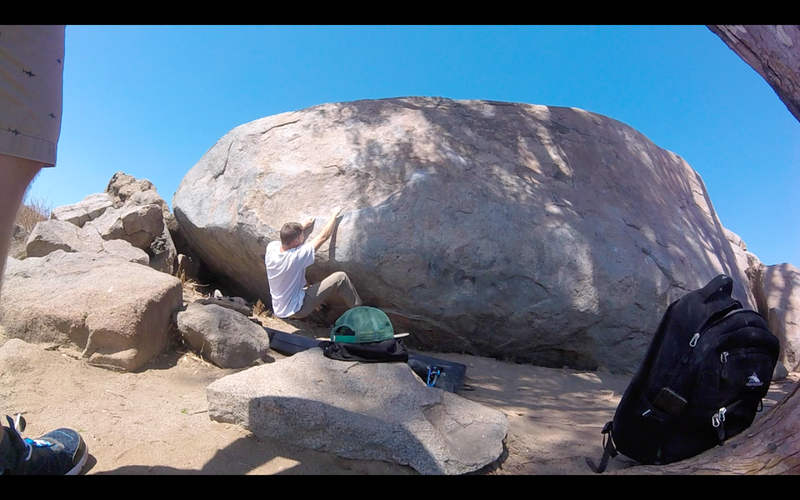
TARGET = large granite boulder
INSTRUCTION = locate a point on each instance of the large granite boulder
(116, 313)
(547, 235)
(223, 336)
(368, 411)
(782, 290)
(773, 51)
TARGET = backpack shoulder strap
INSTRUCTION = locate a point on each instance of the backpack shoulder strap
(609, 451)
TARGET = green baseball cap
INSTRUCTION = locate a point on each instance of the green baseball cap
(362, 325)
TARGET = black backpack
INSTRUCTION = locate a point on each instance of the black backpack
(708, 367)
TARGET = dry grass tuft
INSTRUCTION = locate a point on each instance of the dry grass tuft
(33, 208)
(188, 355)
(259, 308)
(191, 287)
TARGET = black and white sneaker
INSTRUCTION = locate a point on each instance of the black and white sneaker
(59, 452)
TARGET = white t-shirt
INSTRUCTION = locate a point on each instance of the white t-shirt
(286, 273)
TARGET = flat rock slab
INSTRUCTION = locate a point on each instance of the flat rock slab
(373, 411)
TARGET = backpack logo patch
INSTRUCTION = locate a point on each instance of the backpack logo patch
(754, 381)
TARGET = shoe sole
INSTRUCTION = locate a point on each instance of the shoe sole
(83, 450)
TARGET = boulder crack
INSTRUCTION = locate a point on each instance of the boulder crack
(279, 126)
(224, 165)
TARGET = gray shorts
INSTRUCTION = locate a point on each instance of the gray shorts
(31, 74)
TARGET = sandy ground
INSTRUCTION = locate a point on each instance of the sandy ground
(155, 421)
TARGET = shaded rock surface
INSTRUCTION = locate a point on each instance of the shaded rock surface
(379, 411)
(116, 313)
(547, 235)
(223, 336)
(782, 290)
(773, 51)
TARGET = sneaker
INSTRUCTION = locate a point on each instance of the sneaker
(59, 452)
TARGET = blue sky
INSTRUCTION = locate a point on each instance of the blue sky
(151, 100)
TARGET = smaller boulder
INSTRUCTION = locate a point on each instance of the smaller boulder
(118, 314)
(51, 235)
(122, 186)
(124, 250)
(90, 208)
(223, 336)
(138, 225)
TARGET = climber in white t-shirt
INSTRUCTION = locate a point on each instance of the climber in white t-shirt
(286, 262)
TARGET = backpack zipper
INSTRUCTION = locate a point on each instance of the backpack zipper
(696, 336)
(692, 343)
(723, 358)
(718, 422)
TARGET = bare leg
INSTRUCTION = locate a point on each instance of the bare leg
(15, 175)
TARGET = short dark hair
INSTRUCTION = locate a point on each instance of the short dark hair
(289, 232)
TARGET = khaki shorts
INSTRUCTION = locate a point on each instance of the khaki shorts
(31, 74)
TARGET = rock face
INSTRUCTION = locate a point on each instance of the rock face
(225, 337)
(371, 411)
(118, 313)
(782, 290)
(552, 236)
(773, 51)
